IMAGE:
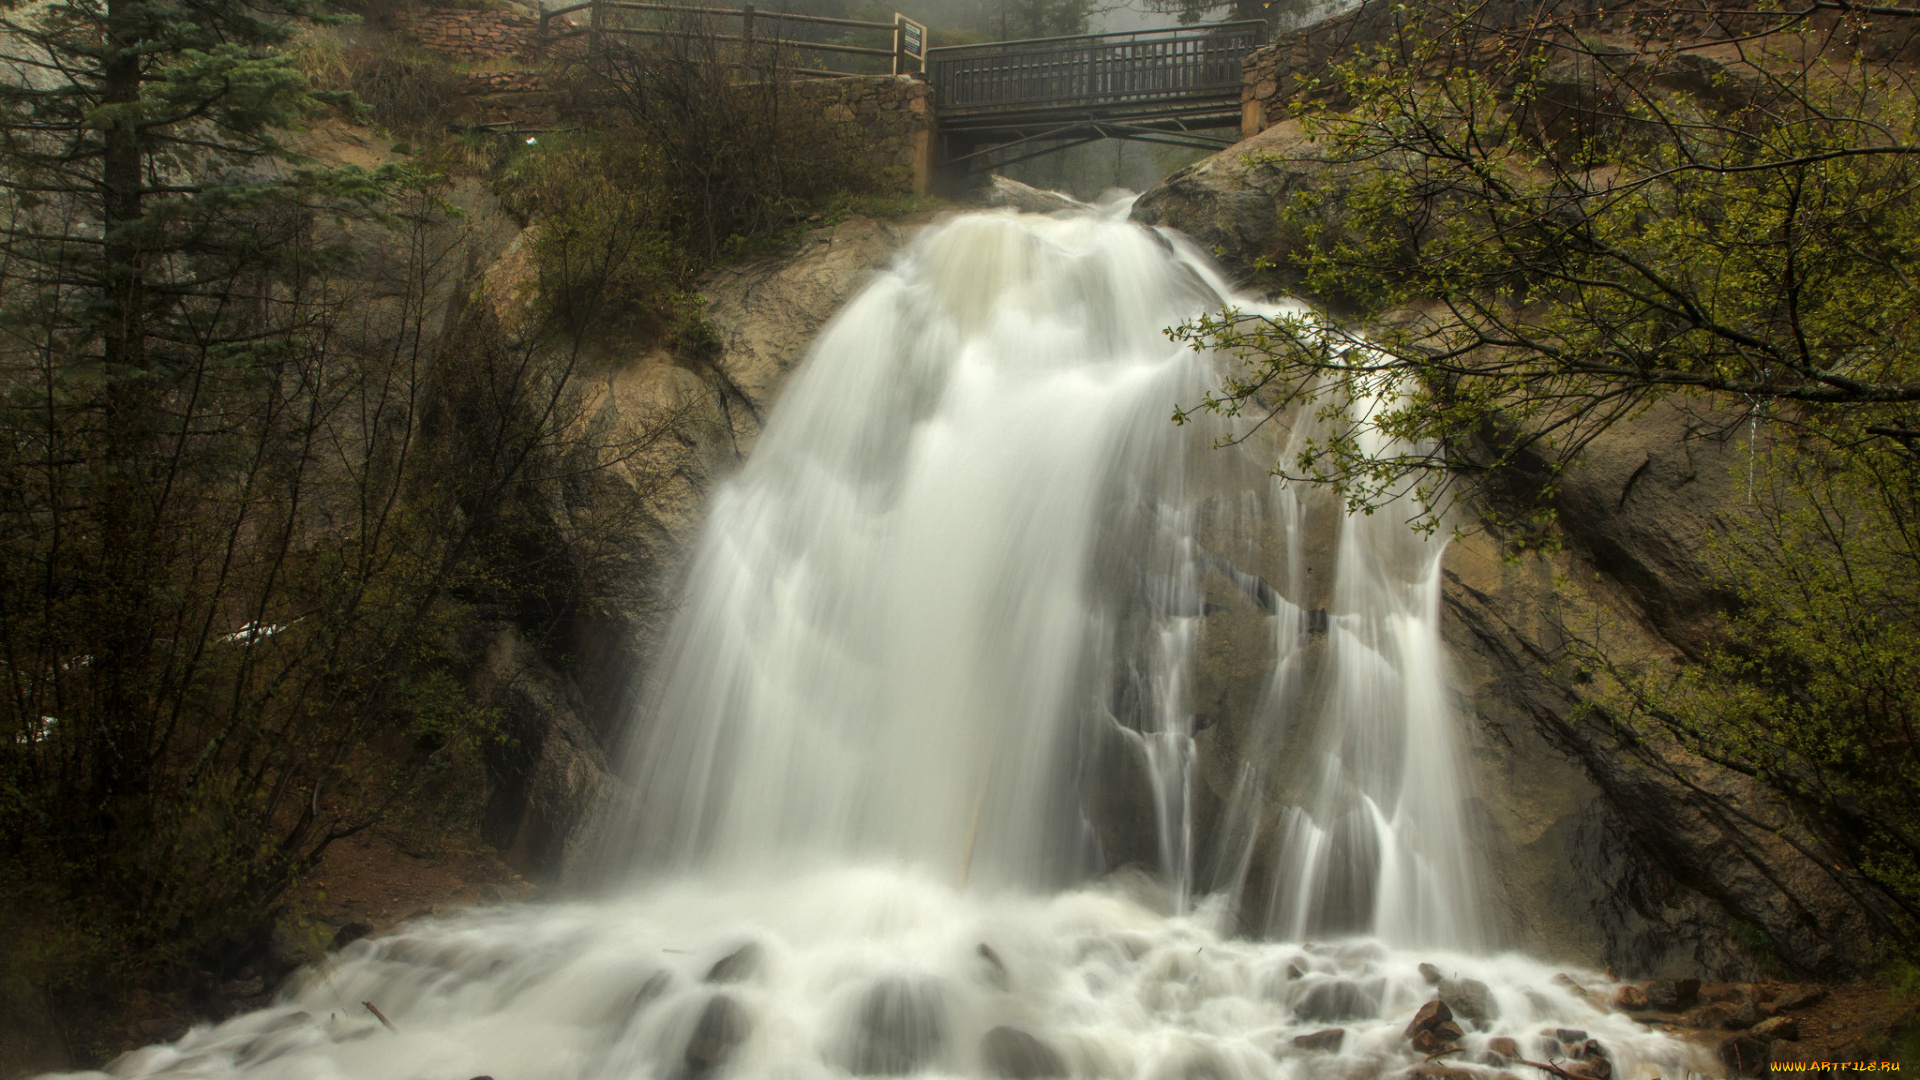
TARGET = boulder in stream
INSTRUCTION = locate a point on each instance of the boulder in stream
(1328, 1039)
(1432, 1014)
(899, 1027)
(722, 1027)
(1471, 1000)
(739, 965)
(1016, 1055)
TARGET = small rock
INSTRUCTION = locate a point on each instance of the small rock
(1596, 1069)
(1705, 1016)
(1591, 1050)
(1566, 980)
(1430, 973)
(1470, 999)
(992, 970)
(1570, 1036)
(1630, 998)
(1504, 1046)
(1328, 1039)
(1673, 995)
(347, 935)
(1799, 997)
(1741, 1016)
(737, 966)
(1294, 972)
(1436, 1038)
(1780, 1027)
(1431, 1014)
(1016, 1055)
(1743, 1055)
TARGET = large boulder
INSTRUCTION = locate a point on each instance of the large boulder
(1230, 203)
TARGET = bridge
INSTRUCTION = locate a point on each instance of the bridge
(995, 103)
(1006, 101)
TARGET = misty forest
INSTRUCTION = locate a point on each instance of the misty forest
(1001, 539)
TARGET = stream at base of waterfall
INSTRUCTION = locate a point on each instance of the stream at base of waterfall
(859, 835)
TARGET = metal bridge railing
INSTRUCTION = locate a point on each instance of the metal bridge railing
(1093, 70)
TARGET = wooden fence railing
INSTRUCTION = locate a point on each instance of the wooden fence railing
(904, 40)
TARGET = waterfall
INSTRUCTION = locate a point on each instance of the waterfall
(868, 832)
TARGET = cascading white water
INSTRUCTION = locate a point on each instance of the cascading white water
(859, 842)
(903, 604)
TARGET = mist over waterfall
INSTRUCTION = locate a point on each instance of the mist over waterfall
(915, 788)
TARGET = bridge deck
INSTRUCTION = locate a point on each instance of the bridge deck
(1183, 77)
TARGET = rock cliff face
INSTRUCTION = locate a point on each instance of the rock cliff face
(1605, 843)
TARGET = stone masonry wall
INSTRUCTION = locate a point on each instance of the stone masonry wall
(892, 114)
(472, 36)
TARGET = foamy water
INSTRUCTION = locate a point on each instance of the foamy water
(1114, 986)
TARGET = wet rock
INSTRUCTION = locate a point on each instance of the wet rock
(992, 971)
(1743, 1055)
(1434, 1070)
(1595, 1069)
(1705, 1016)
(1570, 1037)
(1332, 1001)
(1780, 1027)
(898, 1028)
(1591, 1050)
(1294, 972)
(1673, 995)
(722, 1027)
(1432, 1014)
(1012, 194)
(1741, 1016)
(347, 935)
(1504, 1046)
(1630, 998)
(1430, 973)
(1798, 997)
(1471, 1000)
(1016, 1055)
(1328, 1039)
(624, 1007)
(739, 965)
(1566, 980)
(1436, 1038)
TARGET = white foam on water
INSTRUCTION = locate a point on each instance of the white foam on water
(1118, 987)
